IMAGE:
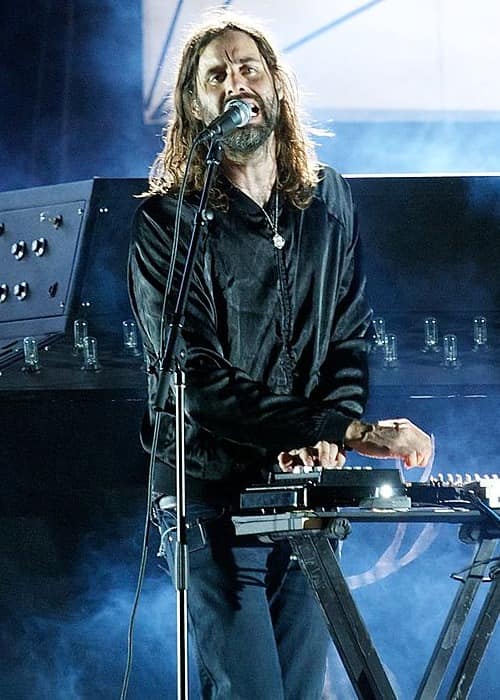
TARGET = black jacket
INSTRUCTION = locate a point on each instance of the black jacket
(275, 352)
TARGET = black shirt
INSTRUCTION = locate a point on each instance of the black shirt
(276, 357)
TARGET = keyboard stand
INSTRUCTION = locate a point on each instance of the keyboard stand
(315, 552)
(453, 626)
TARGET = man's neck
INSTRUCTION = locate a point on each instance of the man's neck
(255, 174)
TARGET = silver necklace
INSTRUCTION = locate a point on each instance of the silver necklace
(278, 240)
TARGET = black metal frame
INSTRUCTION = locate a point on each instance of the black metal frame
(316, 556)
(315, 552)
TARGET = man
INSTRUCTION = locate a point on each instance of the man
(275, 356)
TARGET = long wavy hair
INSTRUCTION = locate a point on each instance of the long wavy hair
(297, 166)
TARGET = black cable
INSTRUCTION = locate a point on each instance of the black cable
(143, 561)
(484, 579)
(483, 507)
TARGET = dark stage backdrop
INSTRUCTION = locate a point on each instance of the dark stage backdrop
(73, 473)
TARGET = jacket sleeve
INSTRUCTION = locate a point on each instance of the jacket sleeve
(343, 382)
(221, 398)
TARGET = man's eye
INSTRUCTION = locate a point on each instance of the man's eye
(216, 78)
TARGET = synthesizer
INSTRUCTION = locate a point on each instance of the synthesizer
(365, 487)
(313, 510)
(318, 499)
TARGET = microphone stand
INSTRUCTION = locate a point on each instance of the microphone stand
(172, 362)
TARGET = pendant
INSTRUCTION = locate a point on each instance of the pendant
(278, 241)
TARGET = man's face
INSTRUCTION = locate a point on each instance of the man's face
(231, 67)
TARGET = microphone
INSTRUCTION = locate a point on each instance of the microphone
(235, 115)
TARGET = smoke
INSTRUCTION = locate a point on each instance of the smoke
(103, 132)
(70, 642)
(74, 96)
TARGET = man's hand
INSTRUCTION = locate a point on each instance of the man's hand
(322, 454)
(398, 438)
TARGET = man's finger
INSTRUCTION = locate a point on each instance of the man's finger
(423, 458)
(306, 457)
(285, 461)
(323, 453)
(339, 460)
(411, 460)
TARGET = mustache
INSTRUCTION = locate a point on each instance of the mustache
(246, 96)
(241, 96)
(265, 108)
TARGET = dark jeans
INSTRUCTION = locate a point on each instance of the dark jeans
(255, 628)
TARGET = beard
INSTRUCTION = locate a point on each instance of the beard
(247, 139)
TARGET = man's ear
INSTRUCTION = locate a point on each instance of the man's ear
(195, 109)
(279, 87)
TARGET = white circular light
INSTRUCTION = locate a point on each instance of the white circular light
(386, 491)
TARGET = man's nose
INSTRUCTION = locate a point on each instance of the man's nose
(235, 84)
